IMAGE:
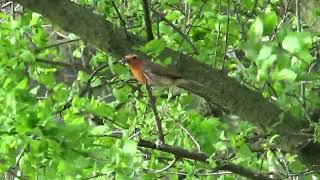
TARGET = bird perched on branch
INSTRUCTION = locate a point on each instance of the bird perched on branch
(154, 74)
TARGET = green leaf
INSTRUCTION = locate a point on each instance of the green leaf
(83, 76)
(248, 4)
(100, 109)
(173, 16)
(296, 41)
(122, 94)
(286, 75)
(77, 53)
(291, 43)
(305, 56)
(130, 147)
(100, 130)
(262, 75)
(256, 30)
(23, 84)
(36, 19)
(274, 1)
(269, 22)
(265, 52)
(40, 37)
(97, 59)
(27, 56)
(155, 46)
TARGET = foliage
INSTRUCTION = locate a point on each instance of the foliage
(62, 105)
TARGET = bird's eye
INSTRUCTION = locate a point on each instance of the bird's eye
(134, 57)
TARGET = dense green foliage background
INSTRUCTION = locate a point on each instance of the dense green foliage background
(70, 111)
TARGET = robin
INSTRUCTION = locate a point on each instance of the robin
(154, 74)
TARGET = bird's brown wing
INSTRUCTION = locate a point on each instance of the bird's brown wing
(162, 71)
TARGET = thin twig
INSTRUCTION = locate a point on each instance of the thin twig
(147, 20)
(96, 176)
(158, 27)
(193, 21)
(85, 89)
(303, 109)
(23, 152)
(6, 4)
(90, 80)
(262, 161)
(134, 135)
(175, 28)
(243, 36)
(270, 87)
(303, 94)
(302, 84)
(167, 167)
(218, 173)
(197, 16)
(282, 20)
(304, 173)
(227, 37)
(194, 141)
(152, 101)
(186, 14)
(253, 10)
(122, 21)
(56, 44)
(62, 64)
(173, 7)
(13, 10)
(283, 163)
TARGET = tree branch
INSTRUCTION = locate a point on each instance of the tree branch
(198, 156)
(218, 87)
(152, 102)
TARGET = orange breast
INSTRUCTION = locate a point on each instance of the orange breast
(138, 73)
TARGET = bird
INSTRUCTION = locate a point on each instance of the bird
(154, 74)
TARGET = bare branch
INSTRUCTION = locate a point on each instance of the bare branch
(175, 28)
(201, 157)
(285, 14)
(122, 21)
(152, 102)
(194, 141)
(299, 28)
(243, 36)
(56, 44)
(85, 88)
(167, 167)
(58, 63)
(197, 16)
